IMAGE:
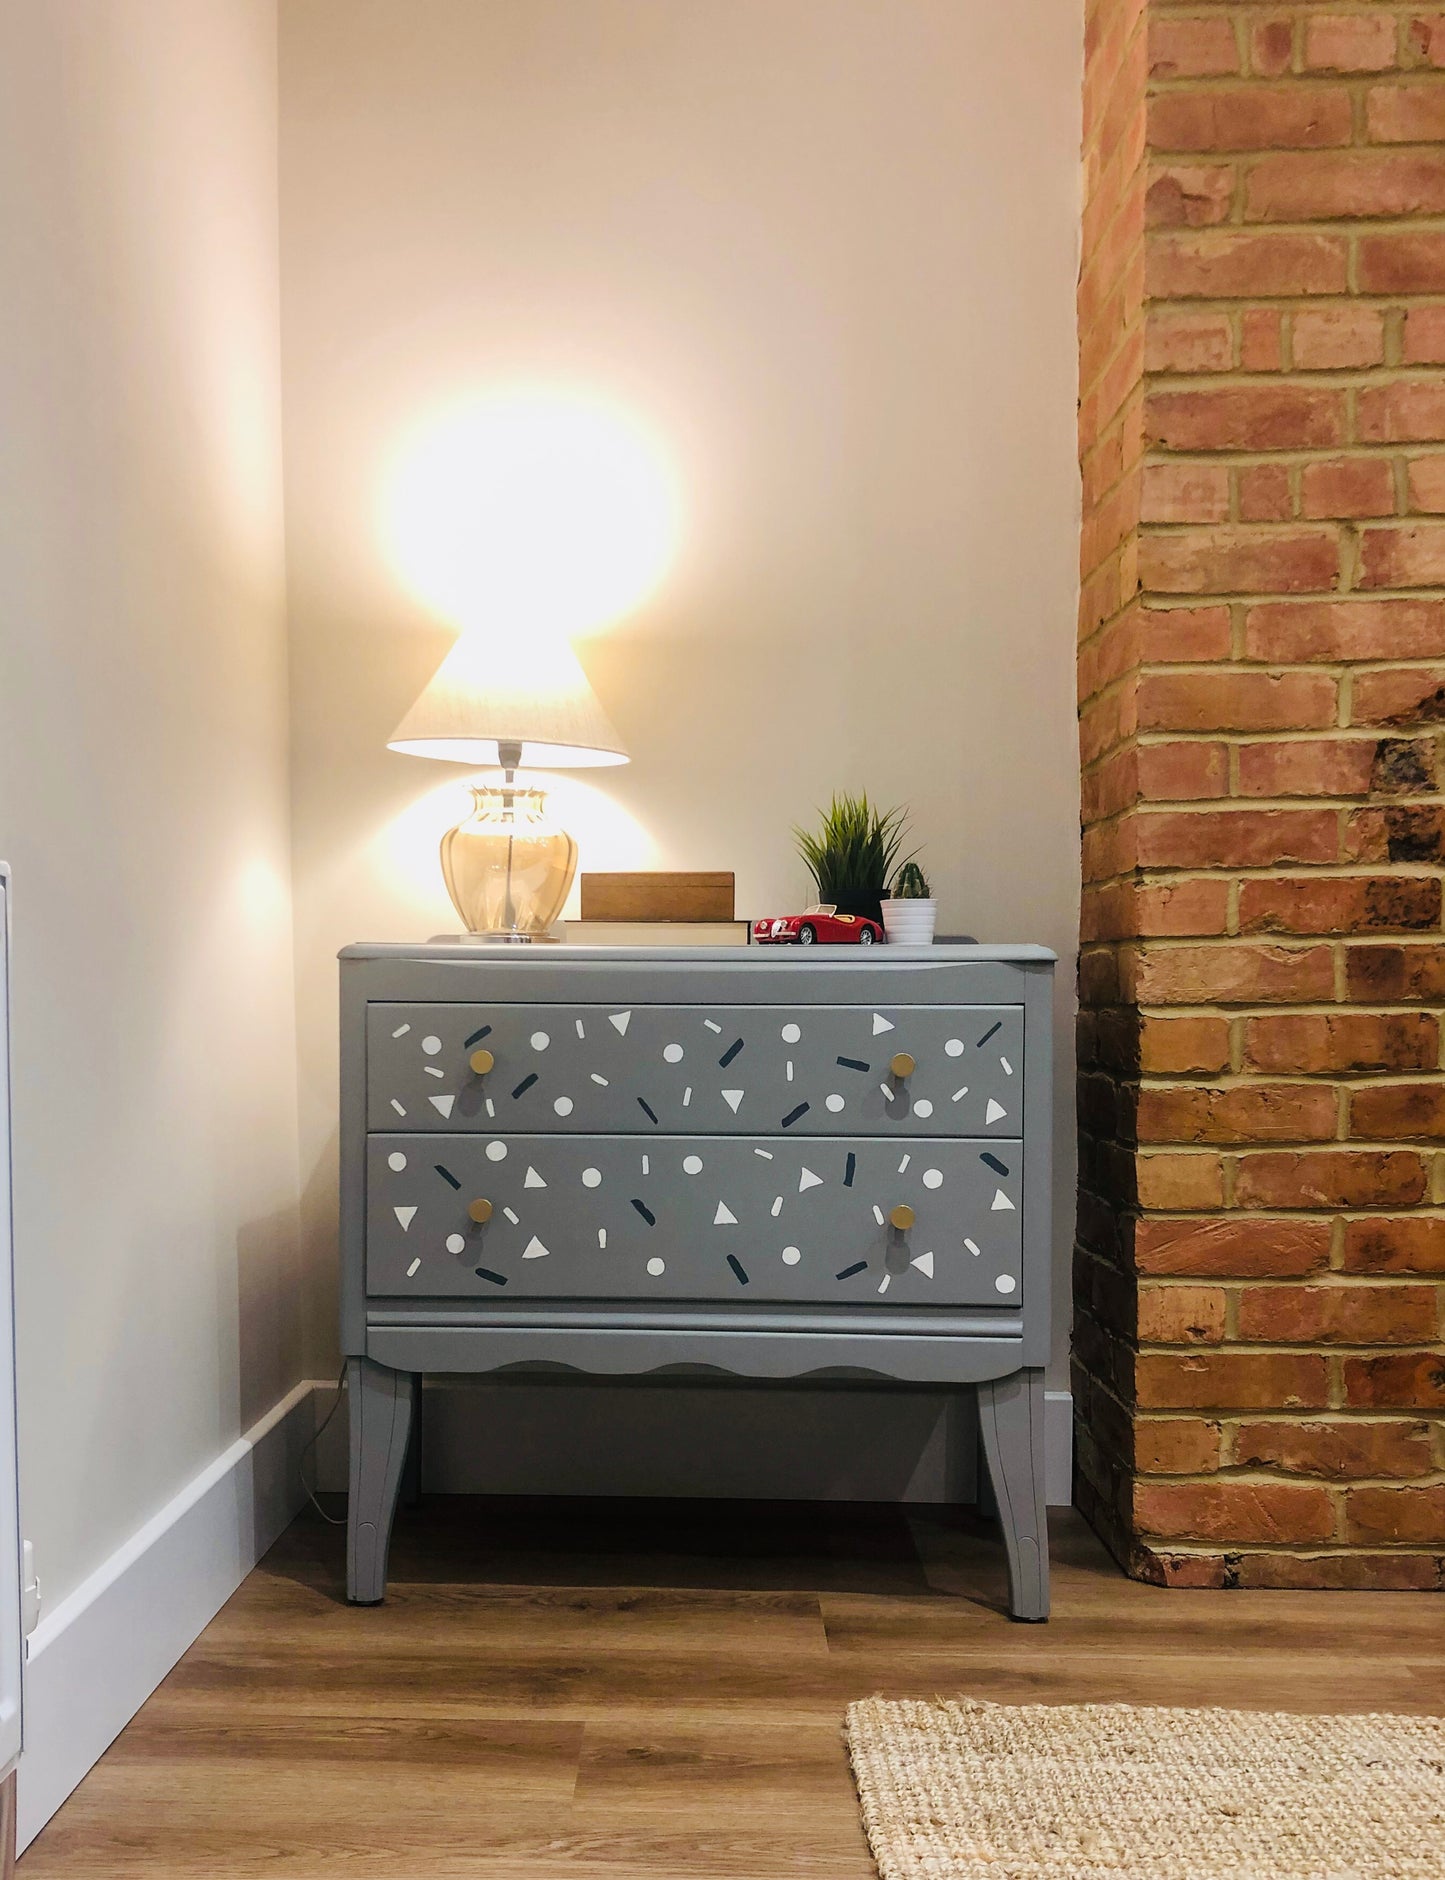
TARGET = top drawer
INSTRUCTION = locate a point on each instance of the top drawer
(813, 1070)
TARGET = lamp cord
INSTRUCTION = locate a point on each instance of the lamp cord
(311, 1441)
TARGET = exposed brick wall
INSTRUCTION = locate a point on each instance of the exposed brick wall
(1260, 1275)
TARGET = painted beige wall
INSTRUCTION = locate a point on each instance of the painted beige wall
(824, 250)
(143, 758)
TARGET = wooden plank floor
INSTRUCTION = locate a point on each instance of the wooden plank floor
(597, 1690)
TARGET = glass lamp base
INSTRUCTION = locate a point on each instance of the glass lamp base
(506, 866)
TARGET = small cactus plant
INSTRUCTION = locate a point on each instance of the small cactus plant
(911, 884)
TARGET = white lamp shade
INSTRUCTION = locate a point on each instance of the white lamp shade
(492, 690)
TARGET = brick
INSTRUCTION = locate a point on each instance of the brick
(1182, 772)
(1237, 701)
(1264, 493)
(1404, 832)
(1297, 187)
(1413, 1245)
(1176, 1446)
(1404, 767)
(1396, 1514)
(1407, 411)
(1397, 1380)
(1340, 904)
(1184, 1045)
(1399, 1112)
(1235, 838)
(1233, 975)
(1245, 417)
(1345, 629)
(1231, 1247)
(1248, 263)
(1183, 633)
(1234, 1511)
(1231, 1380)
(1336, 1451)
(1188, 195)
(1349, 42)
(1402, 696)
(1186, 492)
(1243, 1114)
(1404, 262)
(1423, 342)
(1307, 767)
(1324, 1178)
(1426, 484)
(1240, 561)
(1182, 908)
(1314, 1044)
(1261, 339)
(1185, 1182)
(1347, 486)
(1191, 48)
(1395, 973)
(1426, 38)
(1412, 555)
(1402, 114)
(1271, 47)
(1252, 117)
(1349, 1314)
(1187, 342)
(1181, 1315)
(1352, 1572)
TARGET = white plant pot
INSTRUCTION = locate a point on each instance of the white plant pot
(909, 923)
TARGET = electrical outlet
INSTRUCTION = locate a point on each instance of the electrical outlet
(29, 1590)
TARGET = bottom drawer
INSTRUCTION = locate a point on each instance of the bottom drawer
(704, 1218)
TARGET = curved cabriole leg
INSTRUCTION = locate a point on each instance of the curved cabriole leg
(380, 1410)
(1011, 1422)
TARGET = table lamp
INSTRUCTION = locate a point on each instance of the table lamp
(509, 701)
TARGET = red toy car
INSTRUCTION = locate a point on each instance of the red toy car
(823, 924)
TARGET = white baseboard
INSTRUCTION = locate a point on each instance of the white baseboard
(94, 1660)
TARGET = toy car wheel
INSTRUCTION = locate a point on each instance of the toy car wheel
(806, 936)
(865, 939)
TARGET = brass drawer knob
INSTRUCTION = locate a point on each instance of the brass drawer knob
(480, 1211)
(901, 1217)
(481, 1062)
(902, 1064)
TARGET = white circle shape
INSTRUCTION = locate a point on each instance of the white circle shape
(933, 1178)
(591, 1178)
(396, 1160)
(672, 1053)
(692, 1165)
(923, 1107)
(563, 1106)
(496, 1152)
(792, 1033)
(1005, 1282)
(431, 1044)
(540, 1041)
(791, 1256)
(656, 1267)
(456, 1244)
(834, 1102)
(954, 1047)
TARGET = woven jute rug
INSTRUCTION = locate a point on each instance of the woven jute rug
(974, 1791)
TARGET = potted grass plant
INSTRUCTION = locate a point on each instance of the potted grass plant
(853, 853)
(910, 912)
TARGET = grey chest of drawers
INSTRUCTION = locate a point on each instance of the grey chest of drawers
(747, 1162)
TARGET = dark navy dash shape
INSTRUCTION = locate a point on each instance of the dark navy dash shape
(989, 1033)
(476, 1038)
(854, 1064)
(994, 1163)
(497, 1279)
(648, 1110)
(446, 1175)
(731, 1052)
(526, 1084)
(646, 1212)
(849, 1271)
(737, 1266)
(793, 1115)
(850, 1169)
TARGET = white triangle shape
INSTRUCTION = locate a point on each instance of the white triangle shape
(532, 1179)
(732, 1098)
(724, 1216)
(1001, 1203)
(994, 1111)
(621, 1020)
(444, 1104)
(405, 1216)
(534, 1250)
(880, 1024)
(807, 1179)
(924, 1263)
